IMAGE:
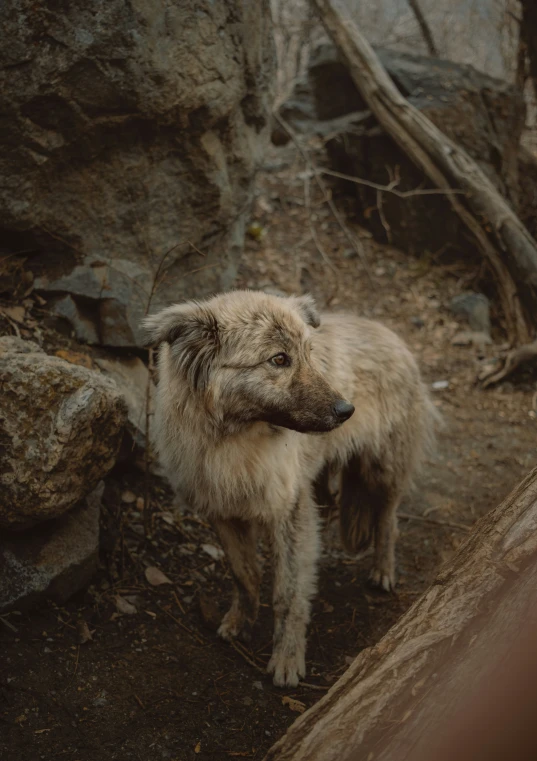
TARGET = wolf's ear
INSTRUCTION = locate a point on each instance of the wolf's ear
(308, 309)
(191, 329)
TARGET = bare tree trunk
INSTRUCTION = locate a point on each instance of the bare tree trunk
(507, 246)
(424, 26)
(528, 33)
(401, 696)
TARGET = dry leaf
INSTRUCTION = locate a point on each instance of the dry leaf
(150, 613)
(197, 749)
(214, 552)
(124, 606)
(82, 631)
(75, 358)
(16, 314)
(295, 705)
(128, 497)
(155, 576)
(167, 518)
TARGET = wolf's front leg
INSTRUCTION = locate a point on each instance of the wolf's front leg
(238, 539)
(296, 549)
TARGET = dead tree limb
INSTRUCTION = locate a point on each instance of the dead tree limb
(528, 33)
(424, 27)
(507, 246)
(425, 666)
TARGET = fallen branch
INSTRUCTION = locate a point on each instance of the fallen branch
(522, 355)
(505, 243)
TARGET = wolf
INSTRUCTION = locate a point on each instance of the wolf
(257, 396)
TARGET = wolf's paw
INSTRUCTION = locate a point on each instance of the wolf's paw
(288, 668)
(230, 627)
(383, 579)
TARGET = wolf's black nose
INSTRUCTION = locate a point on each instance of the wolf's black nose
(343, 410)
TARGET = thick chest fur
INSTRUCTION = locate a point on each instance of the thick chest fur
(254, 475)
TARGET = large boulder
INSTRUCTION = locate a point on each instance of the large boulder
(129, 138)
(484, 115)
(61, 426)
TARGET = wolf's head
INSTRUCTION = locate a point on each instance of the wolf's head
(247, 355)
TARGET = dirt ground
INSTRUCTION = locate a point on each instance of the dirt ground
(154, 682)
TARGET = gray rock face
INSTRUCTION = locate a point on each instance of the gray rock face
(132, 379)
(60, 430)
(51, 561)
(130, 130)
(484, 115)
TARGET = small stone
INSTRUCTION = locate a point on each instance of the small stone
(216, 553)
(440, 385)
(417, 322)
(258, 685)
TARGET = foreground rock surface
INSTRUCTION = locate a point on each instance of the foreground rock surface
(130, 130)
(52, 561)
(61, 426)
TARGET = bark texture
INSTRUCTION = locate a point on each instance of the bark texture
(399, 694)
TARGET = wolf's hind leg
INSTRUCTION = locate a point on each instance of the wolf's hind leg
(296, 549)
(383, 571)
(368, 506)
(238, 539)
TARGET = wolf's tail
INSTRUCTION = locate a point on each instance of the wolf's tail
(360, 504)
(357, 526)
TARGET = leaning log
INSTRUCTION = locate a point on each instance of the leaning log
(505, 243)
(397, 695)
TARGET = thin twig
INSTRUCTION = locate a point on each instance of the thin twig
(382, 216)
(424, 27)
(315, 238)
(147, 453)
(177, 600)
(392, 186)
(313, 686)
(246, 657)
(182, 625)
(199, 269)
(434, 521)
(357, 247)
(8, 624)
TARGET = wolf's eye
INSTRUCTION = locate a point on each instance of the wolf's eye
(280, 360)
